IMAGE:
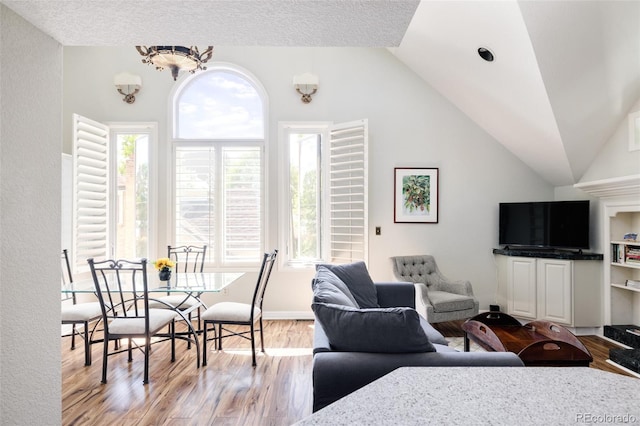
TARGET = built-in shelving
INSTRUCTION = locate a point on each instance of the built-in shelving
(625, 255)
(624, 287)
(624, 272)
(620, 209)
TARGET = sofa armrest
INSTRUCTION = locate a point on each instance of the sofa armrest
(396, 294)
(337, 374)
(320, 339)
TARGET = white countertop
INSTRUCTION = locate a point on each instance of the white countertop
(488, 395)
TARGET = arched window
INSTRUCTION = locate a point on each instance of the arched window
(218, 154)
(219, 104)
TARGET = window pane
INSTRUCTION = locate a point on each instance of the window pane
(240, 212)
(242, 174)
(219, 179)
(220, 105)
(195, 201)
(304, 173)
(132, 201)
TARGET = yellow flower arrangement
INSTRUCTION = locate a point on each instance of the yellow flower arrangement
(164, 263)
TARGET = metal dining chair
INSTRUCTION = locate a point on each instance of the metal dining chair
(77, 314)
(187, 259)
(239, 314)
(123, 293)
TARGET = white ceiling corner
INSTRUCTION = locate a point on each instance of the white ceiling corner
(565, 74)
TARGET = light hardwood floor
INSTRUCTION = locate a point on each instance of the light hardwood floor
(226, 392)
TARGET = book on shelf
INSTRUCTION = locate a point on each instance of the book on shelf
(617, 253)
(621, 253)
(633, 284)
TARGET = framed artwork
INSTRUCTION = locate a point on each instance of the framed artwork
(634, 131)
(416, 195)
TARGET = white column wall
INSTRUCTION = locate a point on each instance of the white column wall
(30, 144)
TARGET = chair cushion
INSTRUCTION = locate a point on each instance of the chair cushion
(357, 279)
(175, 300)
(158, 318)
(384, 330)
(449, 302)
(231, 312)
(81, 312)
(328, 288)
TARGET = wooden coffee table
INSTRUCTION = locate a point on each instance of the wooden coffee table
(537, 343)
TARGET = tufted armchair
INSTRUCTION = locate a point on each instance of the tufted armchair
(440, 298)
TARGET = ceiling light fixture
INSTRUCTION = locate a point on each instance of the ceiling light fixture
(176, 58)
(485, 54)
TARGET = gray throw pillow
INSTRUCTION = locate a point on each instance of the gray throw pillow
(383, 330)
(359, 282)
(328, 288)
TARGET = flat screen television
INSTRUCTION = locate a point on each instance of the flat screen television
(545, 224)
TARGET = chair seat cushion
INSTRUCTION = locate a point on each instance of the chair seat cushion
(178, 301)
(81, 312)
(385, 330)
(231, 312)
(158, 318)
(449, 302)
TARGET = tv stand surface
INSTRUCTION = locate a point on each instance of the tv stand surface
(545, 253)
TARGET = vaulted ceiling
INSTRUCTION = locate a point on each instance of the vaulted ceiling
(565, 74)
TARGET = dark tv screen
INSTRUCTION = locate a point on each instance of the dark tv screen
(545, 224)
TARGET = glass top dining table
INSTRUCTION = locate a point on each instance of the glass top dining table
(189, 284)
(182, 282)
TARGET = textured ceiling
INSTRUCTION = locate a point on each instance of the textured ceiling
(373, 23)
(565, 76)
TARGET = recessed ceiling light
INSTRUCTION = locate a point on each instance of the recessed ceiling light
(485, 54)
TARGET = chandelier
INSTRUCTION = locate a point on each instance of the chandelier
(175, 58)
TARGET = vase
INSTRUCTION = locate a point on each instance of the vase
(165, 274)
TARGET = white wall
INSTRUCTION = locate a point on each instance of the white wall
(410, 124)
(30, 144)
(615, 159)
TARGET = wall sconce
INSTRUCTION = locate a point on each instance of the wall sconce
(128, 85)
(306, 84)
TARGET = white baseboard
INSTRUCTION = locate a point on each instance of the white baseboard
(587, 331)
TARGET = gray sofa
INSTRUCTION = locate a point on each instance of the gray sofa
(348, 353)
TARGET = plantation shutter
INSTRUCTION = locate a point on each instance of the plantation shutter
(218, 201)
(347, 188)
(242, 195)
(90, 191)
